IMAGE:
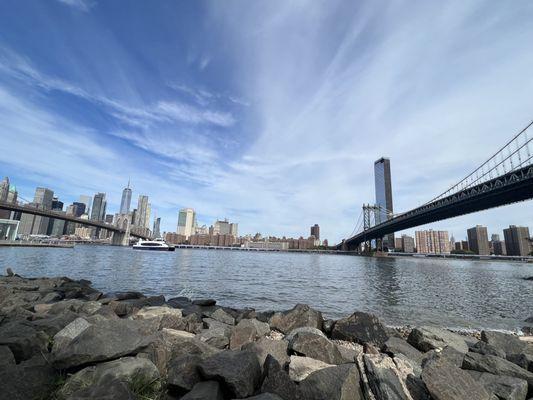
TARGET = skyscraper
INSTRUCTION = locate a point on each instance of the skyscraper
(125, 203)
(186, 222)
(157, 227)
(517, 240)
(315, 231)
(99, 206)
(143, 212)
(383, 186)
(478, 240)
(36, 224)
(4, 193)
(87, 200)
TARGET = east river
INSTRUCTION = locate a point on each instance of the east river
(401, 291)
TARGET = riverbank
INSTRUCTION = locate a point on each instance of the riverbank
(64, 339)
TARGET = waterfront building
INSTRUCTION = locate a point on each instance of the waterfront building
(8, 229)
(279, 245)
(201, 230)
(464, 245)
(87, 200)
(187, 222)
(36, 224)
(517, 240)
(398, 244)
(407, 244)
(56, 206)
(134, 217)
(157, 227)
(315, 231)
(234, 229)
(57, 226)
(175, 238)
(84, 232)
(99, 207)
(143, 212)
(498, 248)
(432, 242)
(383, 187)
(125, 202)
(221, 227)
(4, 193)
(200, 239)
(478, 240)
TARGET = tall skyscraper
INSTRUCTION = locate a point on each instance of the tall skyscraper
(383, 186)
(186, 222)
(478, 240)
(4, 193)
(36, 224)
(234, 229)
(125, 202)
(157, 227)
(517, 240)
(87, 200)
(143, 212)
(431, 241)
(99, 207)
(315, 231)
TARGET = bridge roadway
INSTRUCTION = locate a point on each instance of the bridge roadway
(506, 189)
(58, 215)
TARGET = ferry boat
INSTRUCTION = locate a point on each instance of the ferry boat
(156, 244)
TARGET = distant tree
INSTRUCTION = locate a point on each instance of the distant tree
(462, 252)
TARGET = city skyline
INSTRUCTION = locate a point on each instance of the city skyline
(226, 136)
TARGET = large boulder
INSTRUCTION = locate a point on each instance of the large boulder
(6, 356)
(31, 379)
(246, 331)
(316, 346)
(505, 343)
(183, 372)
(100, 340)
(208, 390)
(288, 337)
(54, 323)
(497, 366)
(482, 347)
(126, 369)
(106, 390)
(165, 317)
(503, 387)
(447, 382)
(23, 339)
(239, 371)
(218, 337)
(129, 307)
(428, 338)
(277, 381)
(265, 346)
(301, 315)
(384, 378)
(301, 367)
(222, 316)
(341, 382)
(395, 346)
(360, 327)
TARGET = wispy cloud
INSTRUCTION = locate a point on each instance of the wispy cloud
(82, 5)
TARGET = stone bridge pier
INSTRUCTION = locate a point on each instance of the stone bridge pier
(122, 238)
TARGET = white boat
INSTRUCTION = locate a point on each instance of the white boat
(156, 244)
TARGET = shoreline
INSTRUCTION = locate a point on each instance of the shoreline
(66, 339)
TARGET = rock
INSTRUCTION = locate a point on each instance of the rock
(288, 337)
(349, 350)
(301, 315)
(183, 372)
(222, 316)
(265, 396)
(340, 382)
(496, 365)
(126, 369)
(124, 295)
(361, 328)
(107, 390)
(316, 346)
(238, 370)
(301, 367)
(246, 331)
(264, 346)
(9, 272)
(31, 379)
(447, 382)
(54, 323)
(482, 347)
(179, 302)
(166, 317)
(42, 308)
(264, 316)
(428, 338)
(84, 308)
(191, 323)
(52, 297)
(6, 356)
(448, 354)
(504, 387)
(327, 325)
(204, 302)
(208, 390)
(277, 381)
(395, 345)
(509, 344)
(417, 388)
(523, 360)
(129, 307)
(23, 339)
(102, 340)
(217, 337)
(383, 377)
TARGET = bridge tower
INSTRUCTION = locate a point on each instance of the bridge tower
(122, 238)
(371, 217)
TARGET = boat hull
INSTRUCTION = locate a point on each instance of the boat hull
(155, 248)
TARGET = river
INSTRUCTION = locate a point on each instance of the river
(444, 292)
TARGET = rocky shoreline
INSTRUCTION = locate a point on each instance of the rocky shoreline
(63, 339)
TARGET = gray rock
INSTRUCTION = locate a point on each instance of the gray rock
(523, 360)
(301, 315)
(265, 396)
(341, 382)
(183, 372)
(277, 381)
(100, 341)
(165, 317)
(54, 323)
(447, 382)
(23, 339)
(191, 323)
(217, 337)
(508, 344)
(106, 390)
(428, 338)
(383, 377)
(222, 316)
(208, 390)
(9, 272)
(349, 354)
(327, 325)
(360, 327)
(125, 369)
(246, 331)
(482, 347)
(504, 387)
(124, 295)
(316, 346)
(448, 354)
(265, 346)
(129, 307)
(239, 371)
(395, 345)
(496, 365)
(288, 337)
(417, 388)
(301, 367)
(204, 302)
(31, 379)
(6, 356)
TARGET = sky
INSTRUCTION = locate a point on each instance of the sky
(268, 113)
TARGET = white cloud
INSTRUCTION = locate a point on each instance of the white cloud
(82, 5)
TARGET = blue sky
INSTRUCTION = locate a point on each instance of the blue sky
(269, 113)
